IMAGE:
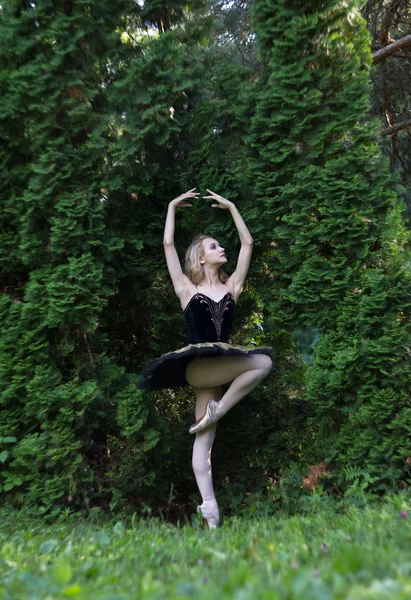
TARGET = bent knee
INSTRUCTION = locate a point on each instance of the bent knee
(265, 363)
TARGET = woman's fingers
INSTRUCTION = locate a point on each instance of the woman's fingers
(215, 196)
(222, 202)
(189, 194)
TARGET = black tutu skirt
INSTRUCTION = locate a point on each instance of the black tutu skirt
(168, 371)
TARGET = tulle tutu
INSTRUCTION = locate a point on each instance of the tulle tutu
(168, 371)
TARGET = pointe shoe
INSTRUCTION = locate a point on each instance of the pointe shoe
(211, 514)
(210, 416)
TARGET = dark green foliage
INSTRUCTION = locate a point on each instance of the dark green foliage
(218, 128)
(59, 389)
(358, 385)
(318, 173)
(337, 252)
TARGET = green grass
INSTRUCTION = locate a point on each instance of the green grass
(364, 553)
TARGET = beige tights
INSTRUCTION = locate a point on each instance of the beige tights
(207, 376)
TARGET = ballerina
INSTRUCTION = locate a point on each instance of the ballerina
(208, 298)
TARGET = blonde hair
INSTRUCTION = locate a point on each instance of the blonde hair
(192, 266)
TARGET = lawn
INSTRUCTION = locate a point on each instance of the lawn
(363, 553)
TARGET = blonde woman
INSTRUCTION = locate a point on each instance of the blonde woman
(208, 298)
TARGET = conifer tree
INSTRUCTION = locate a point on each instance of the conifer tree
(335, 233)
(358, 387)
(316, 167)
(62, 397)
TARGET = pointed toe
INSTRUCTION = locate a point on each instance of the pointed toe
(211, 514)
(210, 416)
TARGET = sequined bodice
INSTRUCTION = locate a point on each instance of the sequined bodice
(208, 320)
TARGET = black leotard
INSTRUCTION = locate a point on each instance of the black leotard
(209, 326)
(208, 320)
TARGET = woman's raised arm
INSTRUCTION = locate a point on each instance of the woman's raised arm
(180, 281)
(236, 280)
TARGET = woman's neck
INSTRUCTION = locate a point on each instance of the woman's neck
(211, 279)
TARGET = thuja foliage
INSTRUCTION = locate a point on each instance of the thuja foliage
(318, 172)
(72, 410)
(337, 250)
(358, 386)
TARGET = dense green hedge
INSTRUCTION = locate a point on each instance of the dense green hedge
(338, 256)
(102, 123)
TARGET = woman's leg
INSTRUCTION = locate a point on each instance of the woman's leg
(245, 372)
(203, 445)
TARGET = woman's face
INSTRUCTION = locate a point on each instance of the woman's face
(213, 253)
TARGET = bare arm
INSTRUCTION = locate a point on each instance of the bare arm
(180, 281)
(236, 281)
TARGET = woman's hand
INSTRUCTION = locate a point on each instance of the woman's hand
(222, 202)
(179, 201)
